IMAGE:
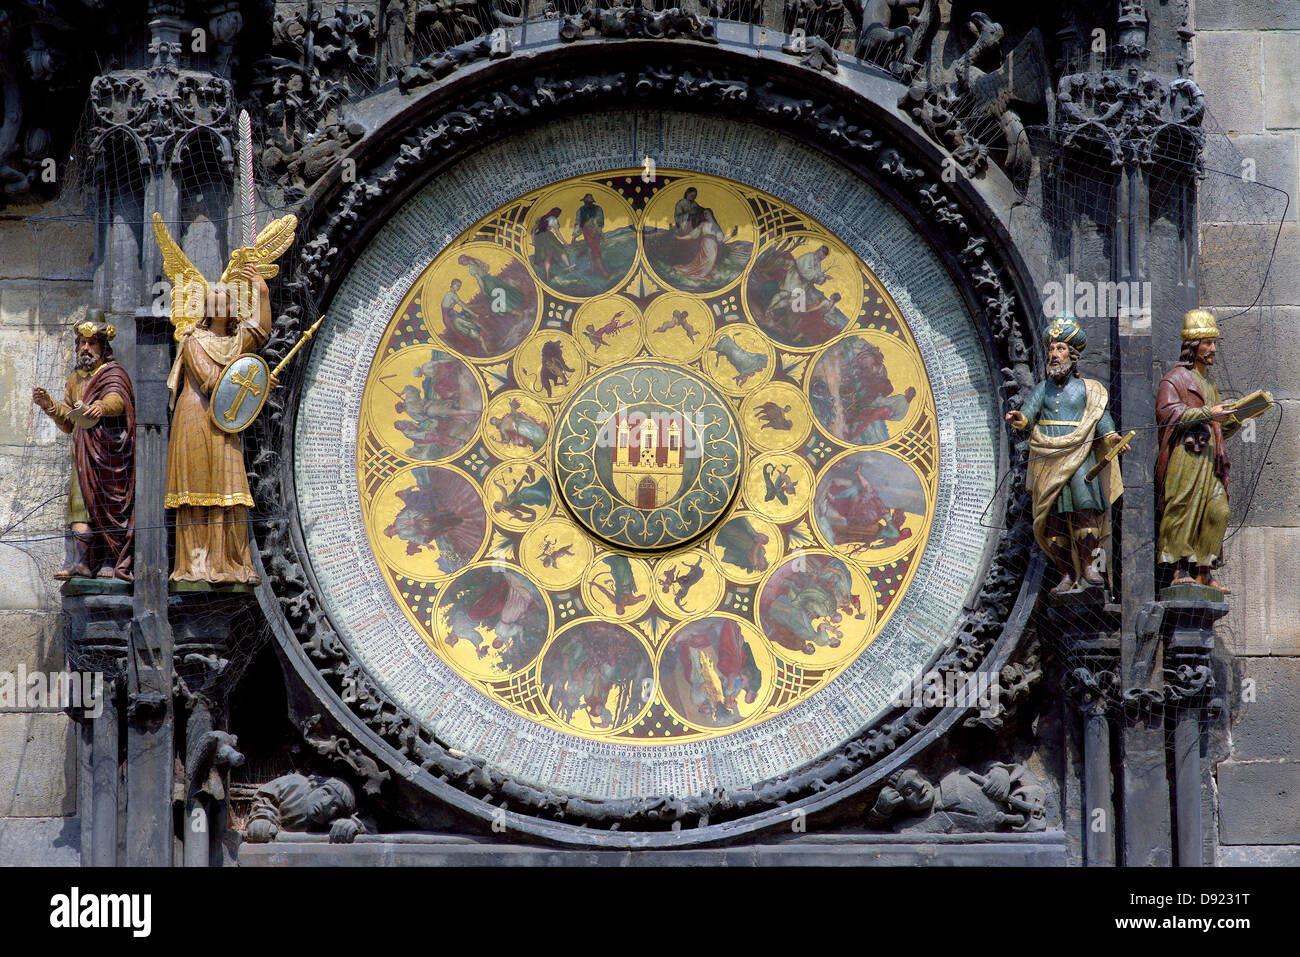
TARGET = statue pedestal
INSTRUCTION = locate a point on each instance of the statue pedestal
(1087, 627)
(1192, 593)
(1189, 692)
(97, 639)
(210, 655)
(94, 586)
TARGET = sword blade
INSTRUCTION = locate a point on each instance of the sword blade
(248, 200)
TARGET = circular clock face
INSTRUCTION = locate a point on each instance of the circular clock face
(655, 486)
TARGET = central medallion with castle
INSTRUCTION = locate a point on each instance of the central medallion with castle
(647, 461)
(648, 456)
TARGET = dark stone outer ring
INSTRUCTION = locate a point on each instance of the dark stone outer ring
(401, 765)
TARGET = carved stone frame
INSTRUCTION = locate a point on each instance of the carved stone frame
(415, 777)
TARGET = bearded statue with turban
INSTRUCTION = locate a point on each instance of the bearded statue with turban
(1070, 426)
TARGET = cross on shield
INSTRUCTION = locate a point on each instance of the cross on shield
(240, 393)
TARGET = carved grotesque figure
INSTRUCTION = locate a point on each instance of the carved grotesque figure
(1005, 797)
(297, 802)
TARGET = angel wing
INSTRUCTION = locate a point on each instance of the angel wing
(189, 287)
(271, 243)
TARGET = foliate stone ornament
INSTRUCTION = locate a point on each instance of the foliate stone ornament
(158, 109)
(1093, 688)
(1128, 113)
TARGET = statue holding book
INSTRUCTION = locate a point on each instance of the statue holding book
(1192, 470)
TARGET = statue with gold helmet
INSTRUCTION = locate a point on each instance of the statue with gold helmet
(1192, 470)
(218, 384)
(1074, 476)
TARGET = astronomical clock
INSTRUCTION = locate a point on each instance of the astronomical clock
(656, 479)
(662, 426)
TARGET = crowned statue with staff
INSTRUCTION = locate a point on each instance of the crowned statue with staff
(218, 385)
(1073, 475)
(98, 411)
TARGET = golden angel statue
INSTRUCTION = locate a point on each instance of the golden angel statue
(214, 324)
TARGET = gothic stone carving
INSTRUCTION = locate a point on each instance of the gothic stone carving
(1004, 797)
(1015, 681)
(1129, 113)
(634, 21)
(956, 105)
(160, 109)
(298, 802)
(316, 62)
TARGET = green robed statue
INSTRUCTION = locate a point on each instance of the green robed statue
(1192, 471)
(1069, 417)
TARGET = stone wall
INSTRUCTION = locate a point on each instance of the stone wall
(45, 285)
(1247, 60)
(1247, 53)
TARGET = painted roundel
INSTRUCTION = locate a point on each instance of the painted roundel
(648, 456)
(640, 468)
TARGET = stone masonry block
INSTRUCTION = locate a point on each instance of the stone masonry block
(38, 765)
(1266, 727)
(1228, 70)
(38, 248)
(32, 639)
(33, 487)
(1274, 469)
(1274, 164)
(1278, 855)
(1246, 15)
(1234, 257)
(25, 573)
(1281, 88)
(40, 842)
(1261, 566)
(1259, 802)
